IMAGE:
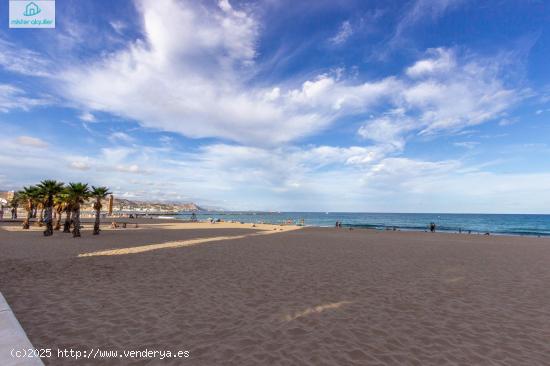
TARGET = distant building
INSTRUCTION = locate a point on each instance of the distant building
(8, 196)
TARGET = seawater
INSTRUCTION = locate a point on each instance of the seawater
(533, 225)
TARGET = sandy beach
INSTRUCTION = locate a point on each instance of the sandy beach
(234, 294)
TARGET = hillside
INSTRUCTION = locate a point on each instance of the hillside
(121, 204)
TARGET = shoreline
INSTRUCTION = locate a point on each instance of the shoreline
(143, 219)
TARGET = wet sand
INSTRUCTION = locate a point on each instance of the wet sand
(312, 296)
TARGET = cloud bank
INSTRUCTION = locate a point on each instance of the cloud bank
(201, 84)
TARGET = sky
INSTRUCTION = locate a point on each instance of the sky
(367, 106)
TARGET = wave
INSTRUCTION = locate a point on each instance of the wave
(451, 229)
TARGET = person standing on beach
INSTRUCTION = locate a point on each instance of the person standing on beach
(432, 227)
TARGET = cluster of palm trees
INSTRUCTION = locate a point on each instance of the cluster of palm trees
(50, 195)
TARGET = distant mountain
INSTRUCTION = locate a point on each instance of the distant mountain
(122, 204)
(213, 208)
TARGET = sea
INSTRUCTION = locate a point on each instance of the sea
(494, 224)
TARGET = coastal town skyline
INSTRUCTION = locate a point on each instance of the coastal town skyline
(416, 106)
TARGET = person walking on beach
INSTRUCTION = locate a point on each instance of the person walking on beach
(432, 227)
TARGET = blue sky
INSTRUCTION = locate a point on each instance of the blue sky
(391, 106)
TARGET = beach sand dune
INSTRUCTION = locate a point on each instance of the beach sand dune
(304, 297)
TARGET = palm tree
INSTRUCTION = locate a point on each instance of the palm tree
(60, 203)
(78, 194)
(68, 210)
(40, 206)
(49, 189)
(98, 193)
(68, 219)
(29, 195)
(34, 207)
(14, 204)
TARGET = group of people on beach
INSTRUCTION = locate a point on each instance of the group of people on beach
(13, 212)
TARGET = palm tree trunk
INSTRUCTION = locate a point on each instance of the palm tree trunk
(48, 218)
(67, 225)
(58, 219)
(40, 221)
(26, 223)
(76, 221)
(97, 208)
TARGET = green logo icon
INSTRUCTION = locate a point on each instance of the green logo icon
(31, 9)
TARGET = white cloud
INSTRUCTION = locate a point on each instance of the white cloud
(344, 32)
(87, 117)
(423, 11)
(442, 60)
(118, 26)
(414, 13)
(466, 144)
(23, 61)
(79, 165)
(12, 97)
(134, 168)
(329, 178)
(388, 129)
(405, 185)
(120, 136)
(31, 141)
(195, 84)
(113, 155)
(288, 178)
(390, 168)
(444, 93)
